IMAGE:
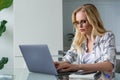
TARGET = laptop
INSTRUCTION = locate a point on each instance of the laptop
(39, 60)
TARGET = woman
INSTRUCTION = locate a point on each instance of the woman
(93, 47)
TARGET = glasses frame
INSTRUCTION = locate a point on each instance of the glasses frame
(80, 22)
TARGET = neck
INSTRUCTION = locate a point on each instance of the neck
(88, 37)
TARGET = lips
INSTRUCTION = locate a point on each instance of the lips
(82, 30)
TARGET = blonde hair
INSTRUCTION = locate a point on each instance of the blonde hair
(94, 20)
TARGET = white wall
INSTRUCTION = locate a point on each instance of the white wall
(6, 40)
(109, 11)
(37, 22)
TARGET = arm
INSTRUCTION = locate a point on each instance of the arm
(71, 56)
(102, 66)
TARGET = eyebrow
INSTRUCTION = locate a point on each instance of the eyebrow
(82, 20)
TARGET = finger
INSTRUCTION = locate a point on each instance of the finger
(56, 63)
(65, 69)
(60, 67)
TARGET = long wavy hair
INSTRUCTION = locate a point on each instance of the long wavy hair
(94, 20)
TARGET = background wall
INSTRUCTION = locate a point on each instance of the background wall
(37, 22)
(6, 40)
(109, 11)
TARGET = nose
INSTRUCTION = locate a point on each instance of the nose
(80, 25)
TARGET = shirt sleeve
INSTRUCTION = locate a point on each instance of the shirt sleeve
(71, 56)
(108, 50)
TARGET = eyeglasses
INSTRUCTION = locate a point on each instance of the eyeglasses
(80, 23)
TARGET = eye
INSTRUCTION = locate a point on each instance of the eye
(83, 21)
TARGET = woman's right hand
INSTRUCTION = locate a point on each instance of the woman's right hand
(56, 64)
(59, 65)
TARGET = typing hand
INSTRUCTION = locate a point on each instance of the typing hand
(64, 66)
(56, 64)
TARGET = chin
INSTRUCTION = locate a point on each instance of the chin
(83, 33)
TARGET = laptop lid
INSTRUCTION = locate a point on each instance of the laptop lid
(38, 59)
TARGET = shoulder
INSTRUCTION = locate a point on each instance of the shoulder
(108, 35)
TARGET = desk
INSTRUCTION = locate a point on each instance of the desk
(24, 74)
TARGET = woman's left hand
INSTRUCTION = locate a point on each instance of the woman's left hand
(68, 67)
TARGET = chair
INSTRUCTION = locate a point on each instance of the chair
(117, 66)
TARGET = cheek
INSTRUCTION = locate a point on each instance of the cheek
(88, 28)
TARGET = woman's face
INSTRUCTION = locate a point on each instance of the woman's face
(82, 23)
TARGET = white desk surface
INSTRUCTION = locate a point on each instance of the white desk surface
(24, 74)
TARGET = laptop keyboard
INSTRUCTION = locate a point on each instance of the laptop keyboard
(75, 72)
(65, 73)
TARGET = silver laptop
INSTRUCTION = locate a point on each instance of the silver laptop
(39, 60)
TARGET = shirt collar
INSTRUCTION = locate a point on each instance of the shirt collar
(84, 45)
